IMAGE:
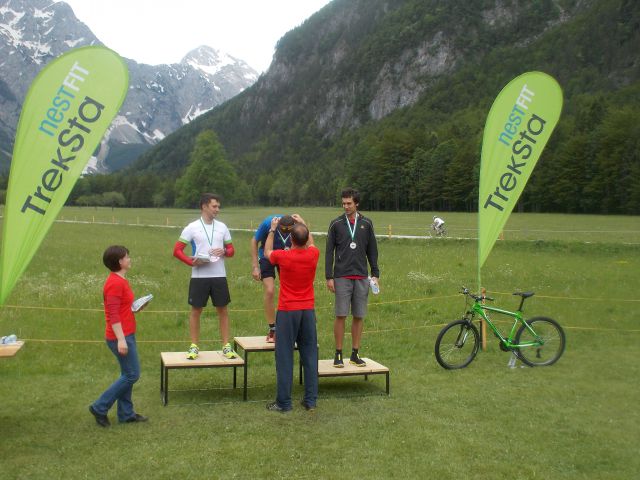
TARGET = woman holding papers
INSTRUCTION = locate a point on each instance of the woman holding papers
(120, 335)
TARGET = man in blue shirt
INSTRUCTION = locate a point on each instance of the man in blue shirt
(263, 270)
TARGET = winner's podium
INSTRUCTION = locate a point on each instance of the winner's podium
(206, 359)
(326, 369)
(254, 344)
(10, 349)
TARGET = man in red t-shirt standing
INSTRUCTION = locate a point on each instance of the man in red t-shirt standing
(296, 317)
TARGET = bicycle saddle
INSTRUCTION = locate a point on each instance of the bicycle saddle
(524, 294)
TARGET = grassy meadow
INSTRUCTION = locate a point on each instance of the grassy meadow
(574, 420)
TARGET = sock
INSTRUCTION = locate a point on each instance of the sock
(272, 326)
(354, 352)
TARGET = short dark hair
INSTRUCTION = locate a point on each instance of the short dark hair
(299, 235)
(207, 197)
(112, 256)
(286, 223)
(351, 193)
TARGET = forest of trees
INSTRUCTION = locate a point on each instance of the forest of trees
(591, 165)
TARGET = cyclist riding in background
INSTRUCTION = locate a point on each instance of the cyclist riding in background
(438, 225)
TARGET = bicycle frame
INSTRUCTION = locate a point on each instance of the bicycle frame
(480, 309)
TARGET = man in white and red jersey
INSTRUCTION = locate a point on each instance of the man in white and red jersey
(210, 241)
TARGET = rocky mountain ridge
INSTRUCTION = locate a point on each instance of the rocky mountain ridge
(161, 98)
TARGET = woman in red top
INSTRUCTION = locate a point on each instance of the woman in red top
(120, 334)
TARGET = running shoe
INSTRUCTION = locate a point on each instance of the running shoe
(193, 352)
(337, 360)
(357, 361)
(274, 407)
(271, 336)
(228, 352)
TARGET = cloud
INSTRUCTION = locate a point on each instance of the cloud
(163, 31)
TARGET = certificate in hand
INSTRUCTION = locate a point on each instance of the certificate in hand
(141, 302)
(203, 257)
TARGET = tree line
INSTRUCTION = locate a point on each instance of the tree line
(591, 165)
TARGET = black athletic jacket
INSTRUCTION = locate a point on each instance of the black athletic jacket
(347, 261)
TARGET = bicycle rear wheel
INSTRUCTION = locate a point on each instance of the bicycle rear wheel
(457, 344)
(550, 338)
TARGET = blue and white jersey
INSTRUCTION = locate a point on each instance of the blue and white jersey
(280, 242)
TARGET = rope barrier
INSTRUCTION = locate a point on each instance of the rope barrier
(578, 299)
(367, 332)
(372, 304)
(390, 330)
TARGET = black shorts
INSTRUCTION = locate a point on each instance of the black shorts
(200, 289)
(267, 269)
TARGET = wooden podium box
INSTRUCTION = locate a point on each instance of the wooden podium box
(326, 369)
(10, 349)
(206, 359)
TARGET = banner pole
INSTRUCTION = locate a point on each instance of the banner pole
(483, 325)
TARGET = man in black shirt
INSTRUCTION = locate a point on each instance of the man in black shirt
(351, 244)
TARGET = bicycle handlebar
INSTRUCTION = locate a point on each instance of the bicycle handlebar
(477, 298)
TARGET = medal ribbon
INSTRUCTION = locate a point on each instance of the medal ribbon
(210, 240)
(284, 240)
(355, 224)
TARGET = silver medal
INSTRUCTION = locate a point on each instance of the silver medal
(353, 245)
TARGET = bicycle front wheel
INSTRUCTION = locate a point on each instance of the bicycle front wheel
(457, 344)
(547, 345)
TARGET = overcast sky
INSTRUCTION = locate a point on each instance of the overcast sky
(164, 31)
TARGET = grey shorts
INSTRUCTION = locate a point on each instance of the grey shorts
(351, 295)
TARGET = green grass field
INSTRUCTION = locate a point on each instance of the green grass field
(576, 419)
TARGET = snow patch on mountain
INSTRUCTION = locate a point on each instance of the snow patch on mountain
(194, 112)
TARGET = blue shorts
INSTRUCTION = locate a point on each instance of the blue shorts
(267, 269)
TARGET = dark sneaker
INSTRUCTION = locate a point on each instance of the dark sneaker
(337, 361)
(271, 336)
(307, 407)
(137, 418)
(101, 420)
(357, 361)
(274, 407)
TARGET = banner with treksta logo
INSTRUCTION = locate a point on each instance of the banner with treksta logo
(518, 127)
(67, 110)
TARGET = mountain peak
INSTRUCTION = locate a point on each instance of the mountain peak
(212, 61)
(161, 98)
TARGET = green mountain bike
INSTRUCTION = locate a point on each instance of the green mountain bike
(538, 341)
